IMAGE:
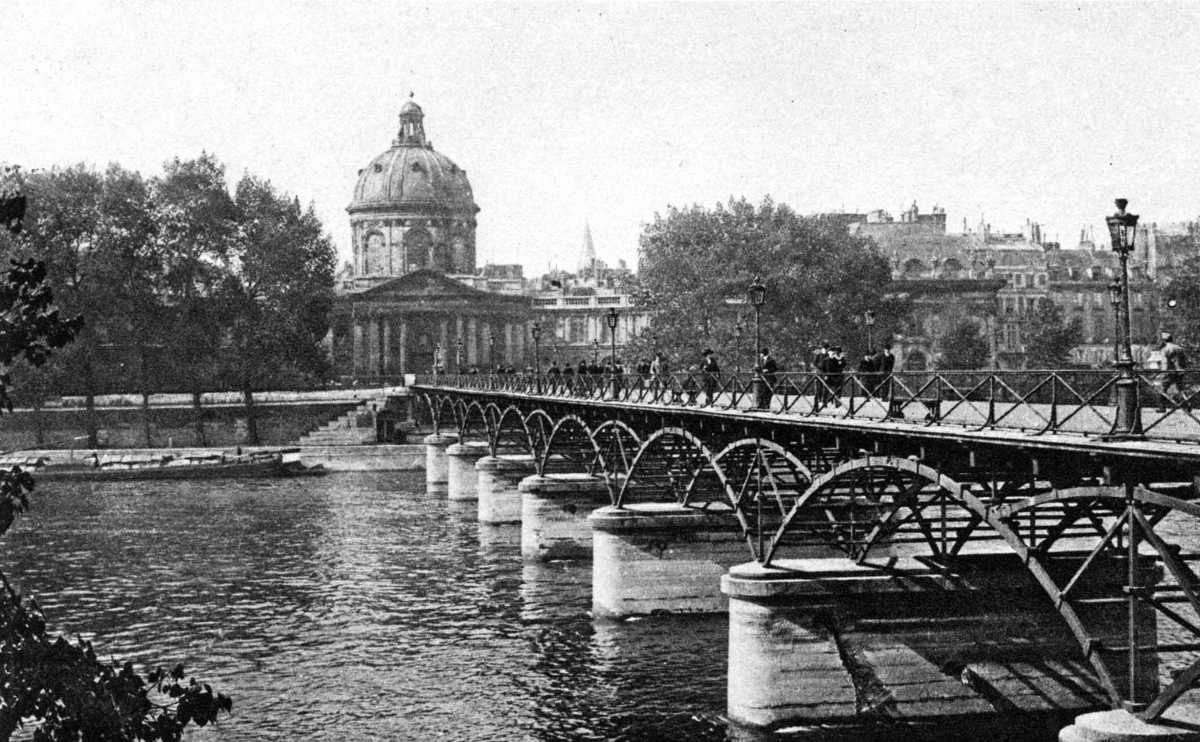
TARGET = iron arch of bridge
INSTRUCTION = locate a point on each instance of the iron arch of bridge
(899, 492)
(669, 466)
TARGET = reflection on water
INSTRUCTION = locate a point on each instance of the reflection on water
(358, 606)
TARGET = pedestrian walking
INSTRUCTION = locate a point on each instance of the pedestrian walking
(867, 373)
(768, 369)
(1176, 363)
(712, 376)
(836, 374)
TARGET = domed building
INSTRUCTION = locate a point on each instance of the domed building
(412, 208)
(405, 302)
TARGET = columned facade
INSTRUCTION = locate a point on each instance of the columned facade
(402, 310)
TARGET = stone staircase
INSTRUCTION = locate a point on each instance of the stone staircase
(355, 428)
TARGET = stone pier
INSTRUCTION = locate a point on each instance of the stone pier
(436, 466)
(497, 487)
(661, 557)
(554, 515)
(460, 468)
(974, 642)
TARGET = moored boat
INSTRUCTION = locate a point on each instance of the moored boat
(167, 466)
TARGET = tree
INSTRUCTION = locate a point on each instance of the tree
(964, 347)
(1184, 291)
(86, 225)
(58, 683)
(1048, 338)
(196, 223)
(820, 283)
(277, 293)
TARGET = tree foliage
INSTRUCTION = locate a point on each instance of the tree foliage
(820, 283)
(1049, 338)
(186, 286)
(964, 347)
(57, 683)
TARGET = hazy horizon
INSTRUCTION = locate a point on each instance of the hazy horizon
(610, 113)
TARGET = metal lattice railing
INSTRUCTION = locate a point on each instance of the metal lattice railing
(1077, 402)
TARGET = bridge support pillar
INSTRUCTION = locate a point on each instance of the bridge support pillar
(498, 479)
(1179, 725)
(832, 641)
(554, 515)
(661, 557)
(460, 468)
(436, 466)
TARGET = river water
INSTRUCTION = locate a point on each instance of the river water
(356, 606)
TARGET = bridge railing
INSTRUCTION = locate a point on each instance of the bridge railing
(1080, 402)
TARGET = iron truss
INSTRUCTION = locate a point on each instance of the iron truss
(927, 467)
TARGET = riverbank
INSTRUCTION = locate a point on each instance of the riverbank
(374, 457)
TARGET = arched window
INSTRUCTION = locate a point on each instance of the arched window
(461, 264)
(951, 268)
(416, 249)
(374, 254)
(441, 257)
(913, 267)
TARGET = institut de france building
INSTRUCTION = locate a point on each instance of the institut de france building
(408, 296)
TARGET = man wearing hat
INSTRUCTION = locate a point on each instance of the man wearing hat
(712, 375)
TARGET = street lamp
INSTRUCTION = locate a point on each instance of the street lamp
(596, 352)
(1114, 298)
(757, 295)
(869, 318)
(1127, 423)
(458, 355)
(437, 358)
(492, 351)
(536, 331)
(612, 318)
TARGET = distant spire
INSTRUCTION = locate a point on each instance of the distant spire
(588, 263)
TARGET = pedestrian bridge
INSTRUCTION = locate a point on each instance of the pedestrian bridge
(930, 466)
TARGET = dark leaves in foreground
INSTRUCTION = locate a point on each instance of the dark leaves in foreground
(56, 684)
(74, 696)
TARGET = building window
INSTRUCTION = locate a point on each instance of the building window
(1041, 279)
(578, 331)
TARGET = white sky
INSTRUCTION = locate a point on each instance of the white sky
(561, 113)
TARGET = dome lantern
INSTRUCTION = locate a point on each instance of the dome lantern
(412, 126)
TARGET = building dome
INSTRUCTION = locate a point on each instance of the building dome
(411, 176)
(412, 173)
(412, 209)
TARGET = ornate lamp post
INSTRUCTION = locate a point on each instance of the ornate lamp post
(492, 351)
(1122, 228)
(869, 319)
(757, 296)
(612, 318)
(536, 331)
(596, 352)
(437, 359)
(458, 355)
(1114, 298)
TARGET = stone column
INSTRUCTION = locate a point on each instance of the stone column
(497, 487)
(444, 340)
(403, 368)
(554, 515)
(359, 350)
(472, 349)
(460, 468)
(833, 641)
(657, 557)
(436, 466)
(385, 361)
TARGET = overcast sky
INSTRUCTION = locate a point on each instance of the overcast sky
(561, 113)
